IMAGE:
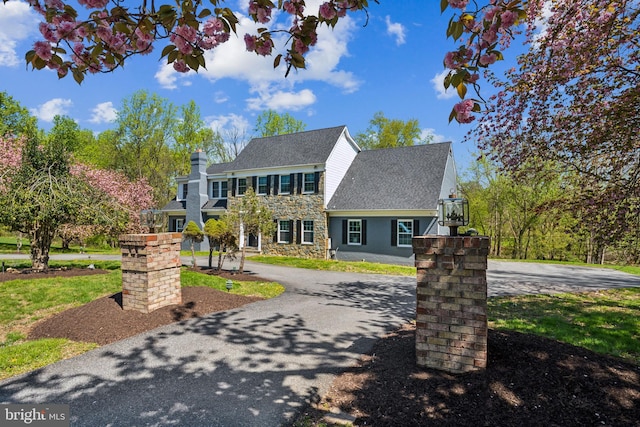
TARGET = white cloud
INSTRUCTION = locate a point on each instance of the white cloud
(231, 60)
(104, 112)
(17, 22)
(438, 85)
(429, 133)
(230, 122)
(220, 97)
(281, 100)
(54, 107)
(396, 30)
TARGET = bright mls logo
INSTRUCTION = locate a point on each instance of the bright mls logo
(34, 415)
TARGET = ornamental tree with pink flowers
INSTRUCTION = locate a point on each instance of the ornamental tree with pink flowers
(42, 192)
(103, 34)
(574, 102)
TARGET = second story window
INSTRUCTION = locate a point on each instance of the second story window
(309, 183)
(183, 190)
(285, 184)
(262, 185)
(242, 186)
(218, 190)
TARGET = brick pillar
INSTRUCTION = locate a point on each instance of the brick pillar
(150, 271)
(451, 324)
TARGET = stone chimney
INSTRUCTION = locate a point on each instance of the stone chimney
(197, 194)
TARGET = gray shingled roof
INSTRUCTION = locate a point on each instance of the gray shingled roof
(217, 168)
(302, 148)
(175, 205)
(393, 178)
(215, 204)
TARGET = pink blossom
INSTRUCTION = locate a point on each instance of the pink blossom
(48, 33)
(183, 37)
(180, 66)
(463, 111)
(507, 19)
(258, 13)
(94, 4)
(473, 78)
(43, 50)
(265, 47)
(327, 11)
(490, 35)
(54, 4)
(250, 42)
(213, 26)
(488, 59)
(459, 4)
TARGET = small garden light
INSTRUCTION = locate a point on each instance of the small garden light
(453, 213)
(229, 285)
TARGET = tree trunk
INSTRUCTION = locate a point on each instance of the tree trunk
(210, 255)
(220, 258)
(193, 254)
(241, 268)
(41, 238)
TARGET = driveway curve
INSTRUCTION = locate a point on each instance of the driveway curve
(259, 364)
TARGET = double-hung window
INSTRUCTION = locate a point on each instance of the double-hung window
(179, 225)
(285, 184)
(308, 183)
(184, 189)
(284, 231)
(354, 232)
(405, 232)
(242, 186)
(262, 185)
(307, 232)
(218, 190)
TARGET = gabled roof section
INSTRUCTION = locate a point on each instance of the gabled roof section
(219, 168)
(175, 205)
(302, 148)
(403, 178)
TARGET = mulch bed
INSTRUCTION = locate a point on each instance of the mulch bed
(529, 381)
(104, 321)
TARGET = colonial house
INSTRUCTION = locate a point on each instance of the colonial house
(326, 194)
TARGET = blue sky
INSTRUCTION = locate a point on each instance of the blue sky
(392, 65)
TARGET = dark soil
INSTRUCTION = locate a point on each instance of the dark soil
(104, 321)
(529, 380)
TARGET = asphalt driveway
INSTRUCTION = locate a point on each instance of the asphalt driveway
(257, 365)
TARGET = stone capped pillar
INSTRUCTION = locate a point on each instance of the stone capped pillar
(150, 271)
(451, 323)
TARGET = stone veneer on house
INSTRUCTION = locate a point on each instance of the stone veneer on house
(150, 271)
(309, 207)
(451, 312)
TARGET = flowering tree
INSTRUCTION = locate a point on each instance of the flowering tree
(574, 102)
(43, 193)
(102, 36)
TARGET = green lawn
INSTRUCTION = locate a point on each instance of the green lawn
(334, 265)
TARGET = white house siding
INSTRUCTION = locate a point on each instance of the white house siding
(449, 185)
(338, 163)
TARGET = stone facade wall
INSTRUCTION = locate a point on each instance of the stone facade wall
(150, 271)
(295, 207)
(309, 207)
(451, 322)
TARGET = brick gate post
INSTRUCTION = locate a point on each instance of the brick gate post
(451, 311)
(150, 271)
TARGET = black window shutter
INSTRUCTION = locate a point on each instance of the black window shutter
(394, 232)
(276, 183)
(269, 177)
(234, 182)
(298, 232)
(275, 235)
(416, 227)
(364, 232)
(344, 231)
(291, 231)
(299, 183)
(292, 183)
(316, 182)
(254, 183)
